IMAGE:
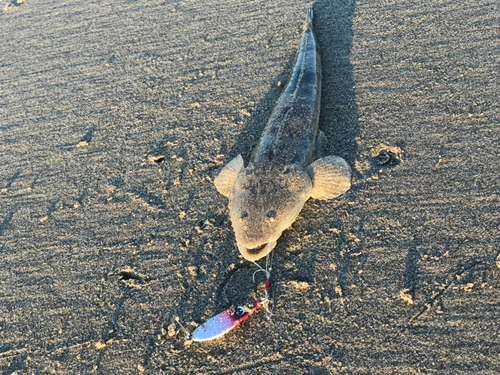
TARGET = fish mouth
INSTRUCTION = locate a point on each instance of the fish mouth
(256, 250)
(255, 253)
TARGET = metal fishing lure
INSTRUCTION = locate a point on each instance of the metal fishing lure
(225, 321)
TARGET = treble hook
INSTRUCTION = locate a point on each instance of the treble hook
(188, 335)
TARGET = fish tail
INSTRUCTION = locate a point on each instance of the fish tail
(309, 19)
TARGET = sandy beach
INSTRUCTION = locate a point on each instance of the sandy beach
(115, 117)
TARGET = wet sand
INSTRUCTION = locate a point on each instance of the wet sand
(116, 116)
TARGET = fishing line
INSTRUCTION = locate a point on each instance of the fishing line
(261, 269)
(267, 272)
(269, 261)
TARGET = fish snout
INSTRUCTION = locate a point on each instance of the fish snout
(251, 238)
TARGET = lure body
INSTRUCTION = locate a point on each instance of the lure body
(225, 321)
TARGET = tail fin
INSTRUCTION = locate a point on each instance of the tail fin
(309, 19)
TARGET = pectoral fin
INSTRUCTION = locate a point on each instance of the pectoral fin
(331, 177)
(227, 176)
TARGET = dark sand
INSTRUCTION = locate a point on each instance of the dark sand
(101, 246)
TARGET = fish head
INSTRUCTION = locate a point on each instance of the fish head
(263, 203)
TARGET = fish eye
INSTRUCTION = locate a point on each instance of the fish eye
(271, 215)
(243, 215)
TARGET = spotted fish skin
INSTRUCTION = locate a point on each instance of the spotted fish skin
(266, 197)
(292, 131)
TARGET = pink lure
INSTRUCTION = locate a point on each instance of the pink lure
(225, 321)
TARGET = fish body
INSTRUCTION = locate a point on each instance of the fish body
(266, 197)
(292, 131)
